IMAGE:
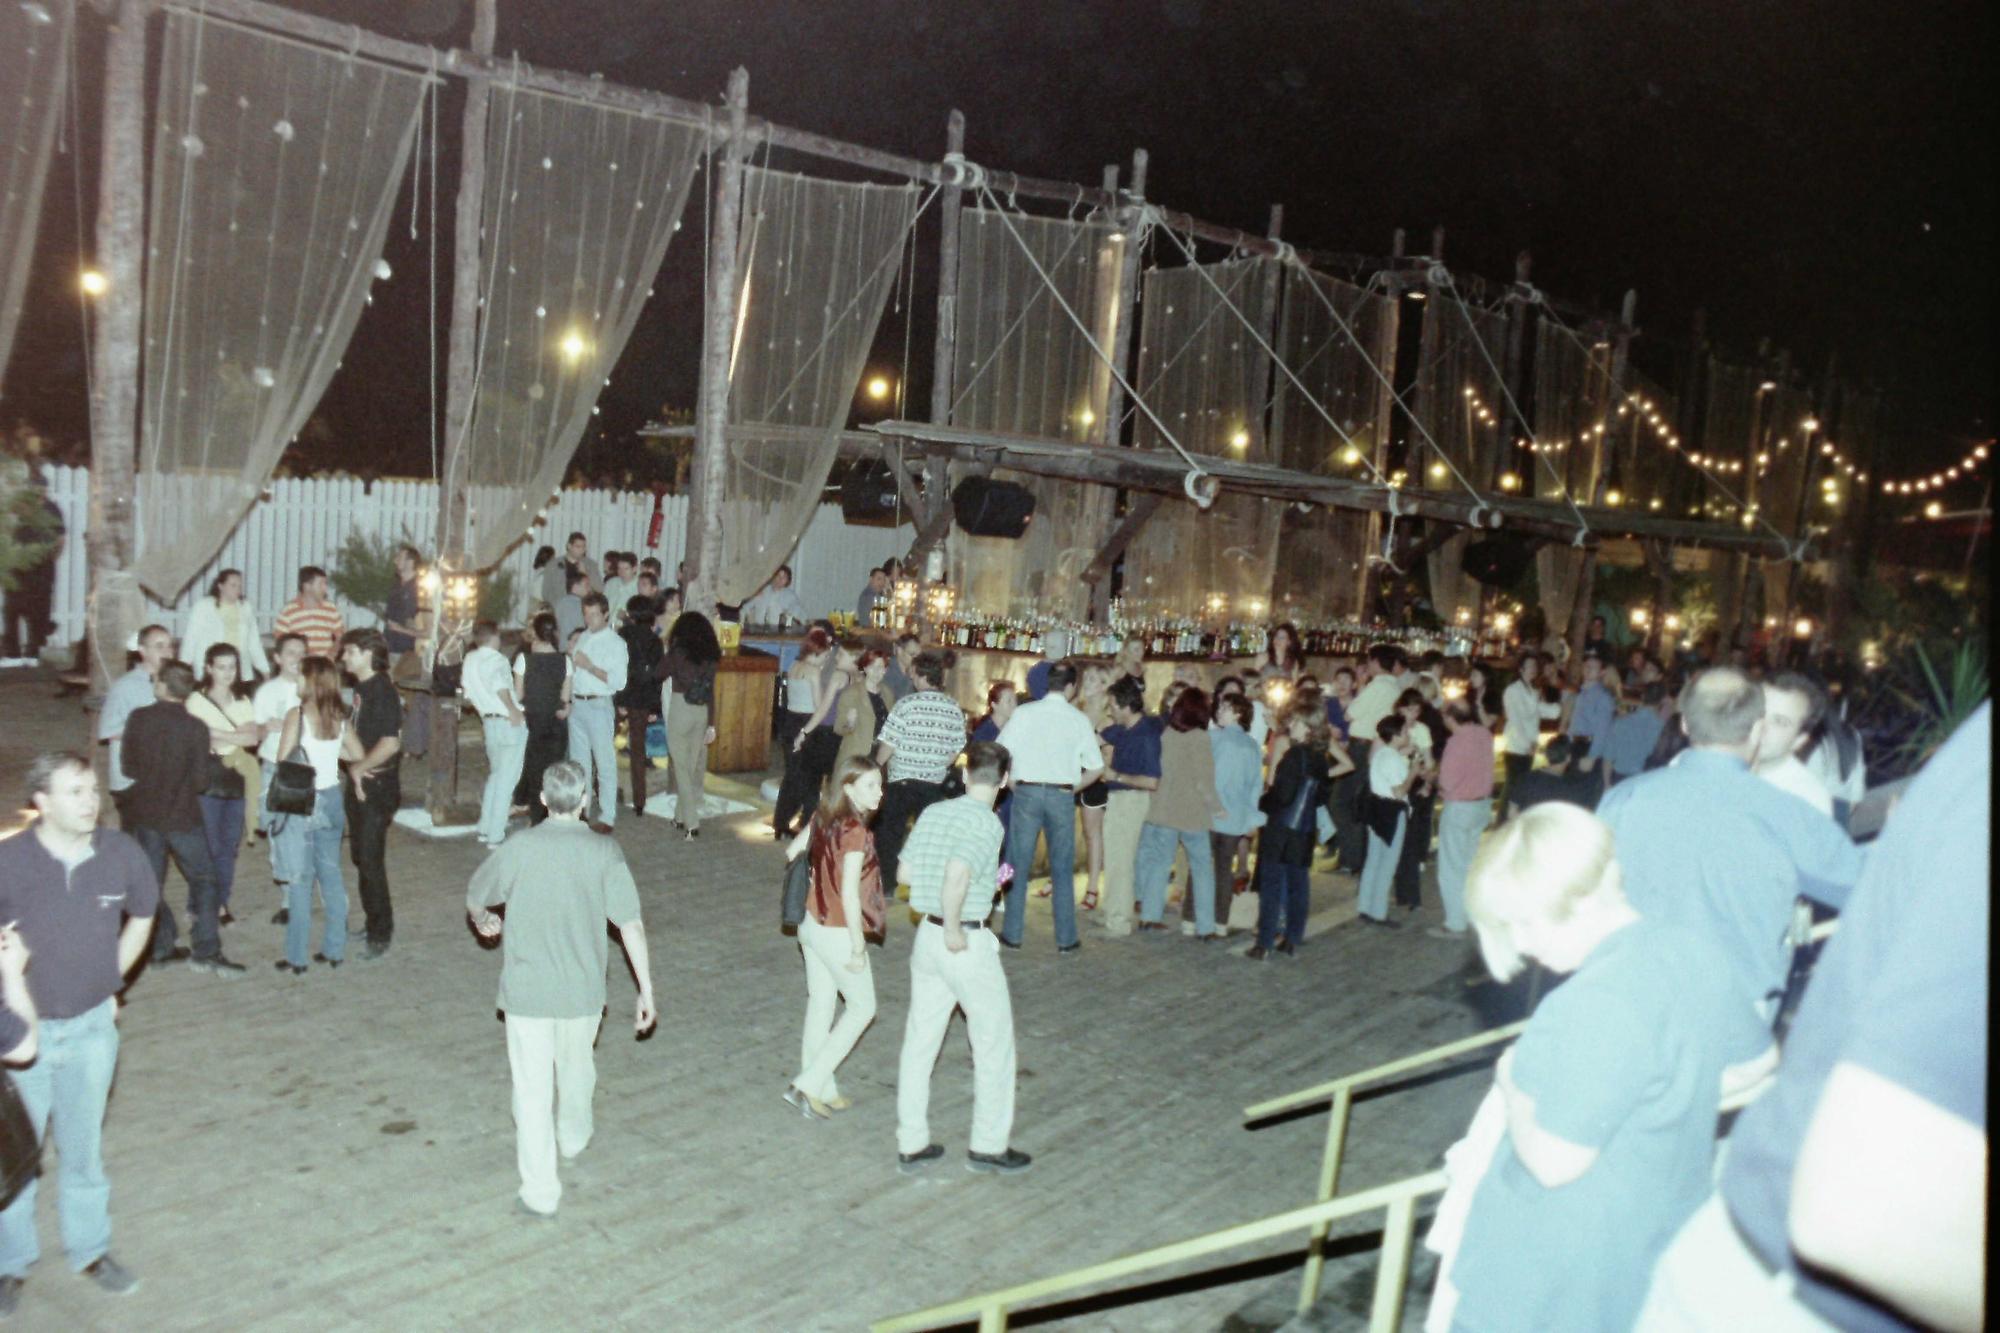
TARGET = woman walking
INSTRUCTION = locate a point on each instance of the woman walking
(1179, 815)
(820, 674)
(226, 709)
(541, 683)
(224, 617)
(689, 664)
(843, 908)
(862, 707)
(1310, 762)
(319, 726)
(639, 702)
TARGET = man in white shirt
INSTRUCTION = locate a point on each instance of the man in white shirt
(776, 601)
(488, 682)
(620, 582)
(1792, 707)
(1525, 710)
(1053, 752)
(274, 699)
(600, 660)
(1380, 674)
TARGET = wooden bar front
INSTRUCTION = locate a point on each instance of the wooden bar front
(744, 685)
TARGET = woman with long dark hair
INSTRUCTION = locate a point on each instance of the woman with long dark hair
(319, 726)
(224, 707)
(821, 673)
(1282, 655)
(843, 908)
(689, 665)
(639, 701)
(541, 683)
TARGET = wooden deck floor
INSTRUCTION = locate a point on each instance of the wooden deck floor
(336, 1151)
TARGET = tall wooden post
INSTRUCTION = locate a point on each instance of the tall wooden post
(1518, 310)
(1131, 223)
(461, 370)
(1387, 338)
(1807, 476)
(117, 608)
(932, 527)
(1586, 574)
(711, 447)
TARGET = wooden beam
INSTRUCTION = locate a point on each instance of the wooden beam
(1110, 432)
(907, 485)
(944, 369)
(711, 450)
(1143, 507)
(117, 608)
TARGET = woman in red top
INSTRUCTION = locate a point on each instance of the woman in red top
(844, 907)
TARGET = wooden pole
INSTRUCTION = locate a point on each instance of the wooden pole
(711, 450)
(944, 367)
(1386, 341)
(1111, 430)
(1824, 415)
(1518, 309)
(461, 371)
(1586, 574)
(117, 608)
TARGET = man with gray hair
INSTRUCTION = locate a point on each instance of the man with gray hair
(560, 884)
(1707, 844)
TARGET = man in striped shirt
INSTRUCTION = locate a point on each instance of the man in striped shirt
(919, 741)
(311, 616)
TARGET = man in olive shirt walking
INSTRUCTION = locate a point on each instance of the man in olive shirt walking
(953, 865)
(560, 883)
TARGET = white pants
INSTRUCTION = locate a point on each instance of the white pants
(941, 981)
(1709, 1282)
(1461, 824)
(826, 1043)
(506, 748)
(1124, 820)
(555, 1076)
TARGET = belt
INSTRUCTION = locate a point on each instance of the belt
(591, 698)
(1053, 786)
(963, 925)
(493, 717)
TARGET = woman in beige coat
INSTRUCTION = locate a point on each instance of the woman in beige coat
(859, 710)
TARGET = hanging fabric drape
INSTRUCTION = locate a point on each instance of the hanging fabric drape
(1572, 395)
(581, 201)
(816, 262)
(1023, 366)
(1461, 402)
(1321, 553)
(275, 165)
(1204, 374)
(34, 56)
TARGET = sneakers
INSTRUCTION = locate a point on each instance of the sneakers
(1011, 1162)
(111, 1276)
(909, 1163)
(216, 965)
(1187, 927)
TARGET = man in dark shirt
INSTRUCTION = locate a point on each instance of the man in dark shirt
(1555, 782)
(165, 754)
(82, 899)
(374, 784)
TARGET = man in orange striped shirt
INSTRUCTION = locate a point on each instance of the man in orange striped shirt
(311, 615)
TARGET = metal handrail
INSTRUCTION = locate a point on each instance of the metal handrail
(1398, 1198)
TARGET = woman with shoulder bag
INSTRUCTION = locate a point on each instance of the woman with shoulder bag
(320, 728)
(693, 653)
(230, 716)
(844, 907)
(541, 683)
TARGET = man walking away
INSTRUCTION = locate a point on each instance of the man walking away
(375, 784)
(560, 886)
(166, 757)
(600, 661)
(1053, 753)
(489, 687)
(954, 867)
(918, 742)
(82, 899)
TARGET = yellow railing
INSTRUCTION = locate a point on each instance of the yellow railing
(1399, 1199)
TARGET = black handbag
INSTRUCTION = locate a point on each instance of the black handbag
(294, 786)
(798, 883)
(20, 1150)
(221, 781)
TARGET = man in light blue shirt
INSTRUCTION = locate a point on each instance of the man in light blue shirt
(1706, 844)
(1635, 735)
(1590, 720)
(599, 661)
(129, 693)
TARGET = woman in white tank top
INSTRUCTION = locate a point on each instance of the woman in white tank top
(317, 732)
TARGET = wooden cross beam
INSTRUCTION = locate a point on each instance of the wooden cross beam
(1143, 506)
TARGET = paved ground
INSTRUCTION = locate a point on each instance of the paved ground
(336, 1150)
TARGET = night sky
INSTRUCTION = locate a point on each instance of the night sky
(1818, 174)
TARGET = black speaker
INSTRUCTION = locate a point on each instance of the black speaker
(988, 508)
(1499, 561)
(868, 496)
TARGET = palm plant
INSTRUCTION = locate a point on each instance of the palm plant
(1941, 703)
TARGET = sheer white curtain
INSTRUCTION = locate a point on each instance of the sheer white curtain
(816, 262)
(581, 201)
(1572, 394)
(1461, 400)
(275, 166)
(1208, 380)
(34, 60)
(1023, 366)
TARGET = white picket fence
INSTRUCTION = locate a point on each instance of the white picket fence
(305, 520)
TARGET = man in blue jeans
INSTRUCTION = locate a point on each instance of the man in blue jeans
(83, 900)
(1054, 752)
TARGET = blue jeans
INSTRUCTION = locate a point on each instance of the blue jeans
(65, 1091)
(1156, 858)
(1284, 895)
(222, 822)
(1039, 810)
(190, 852)
(1380, 870)
(316, 852)
(593, 732)
(1460, 827)
(506, 749)
(281, 865)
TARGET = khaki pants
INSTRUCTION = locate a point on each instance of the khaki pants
(555, 1076)
(687, 748)
(941, 981)
(1708, 1281)
(1124, 817)
(826, 1043)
